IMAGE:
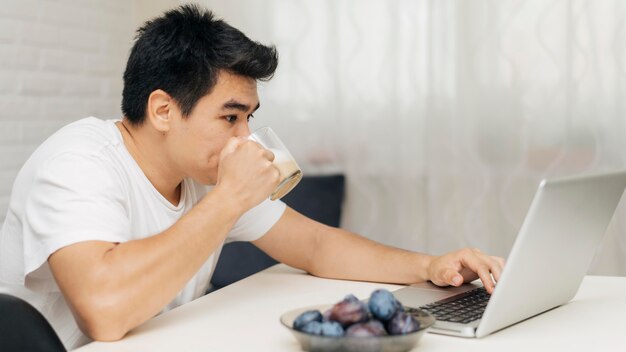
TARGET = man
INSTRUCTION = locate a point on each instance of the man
(112, 222)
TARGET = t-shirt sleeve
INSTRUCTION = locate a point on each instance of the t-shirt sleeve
(73, 198)
(257, 221)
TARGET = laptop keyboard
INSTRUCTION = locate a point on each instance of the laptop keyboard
(463, 309)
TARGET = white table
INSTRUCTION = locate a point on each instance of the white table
(244, 317)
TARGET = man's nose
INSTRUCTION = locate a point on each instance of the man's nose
(243, 130)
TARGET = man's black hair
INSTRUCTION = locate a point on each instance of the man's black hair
(182, 53)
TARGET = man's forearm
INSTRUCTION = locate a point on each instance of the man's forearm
(344, 255)
(132, 281)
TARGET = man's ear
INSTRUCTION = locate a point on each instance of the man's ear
(160, 108)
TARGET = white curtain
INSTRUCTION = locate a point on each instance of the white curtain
(445, 115)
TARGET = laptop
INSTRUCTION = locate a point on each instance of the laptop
(563, 228)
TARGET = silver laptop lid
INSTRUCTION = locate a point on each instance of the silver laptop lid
(554, 248)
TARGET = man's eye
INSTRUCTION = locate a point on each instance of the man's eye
(231, 118)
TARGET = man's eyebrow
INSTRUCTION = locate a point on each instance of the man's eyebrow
(233, 104)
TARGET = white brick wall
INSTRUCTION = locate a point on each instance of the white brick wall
(60, 60)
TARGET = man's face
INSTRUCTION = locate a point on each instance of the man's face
(195, 142)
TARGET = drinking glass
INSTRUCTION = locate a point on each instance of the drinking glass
(290, 172)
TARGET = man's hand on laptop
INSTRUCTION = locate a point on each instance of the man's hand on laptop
(465, 265)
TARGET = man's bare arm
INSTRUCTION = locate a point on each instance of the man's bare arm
(112, 288)
(336, 253)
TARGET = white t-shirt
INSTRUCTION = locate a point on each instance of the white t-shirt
(82, 184)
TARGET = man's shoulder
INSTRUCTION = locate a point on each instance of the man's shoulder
(84, 147)
(88, 137)
(83, 136)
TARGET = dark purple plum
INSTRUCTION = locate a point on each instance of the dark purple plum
(349, 311)
(402, 323)
(350, 298)
(332, 328)
(383, 304)
(326, 315)
(305, 318)
(369, 329)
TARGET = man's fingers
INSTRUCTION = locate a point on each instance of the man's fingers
(496, 268)
(474, 262)
(266, 152)
(500, 261)
(486, 278)
(269, 155)
(466, 265)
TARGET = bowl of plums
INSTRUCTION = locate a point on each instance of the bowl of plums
(378, 324)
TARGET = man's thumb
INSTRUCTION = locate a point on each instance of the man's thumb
(453, 278)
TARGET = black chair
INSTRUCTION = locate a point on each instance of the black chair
(318, 197)
(23, 328)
